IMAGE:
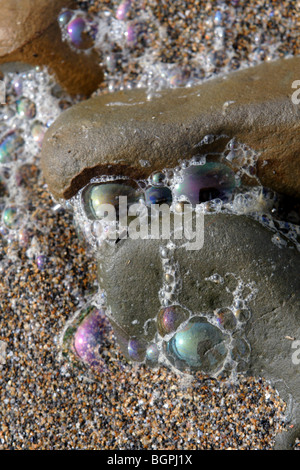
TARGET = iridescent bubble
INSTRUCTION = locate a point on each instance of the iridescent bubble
(158, 178)
(26, 108)
(199, 346)
(242, 315)
(10, 145)
(65, 17)
(107, 193)
(226, 318)
(24, 237)
(136, 349)
(152, 353)
(41, 261)
(123, 9)
(218, 17)
(111, 62)
(11, 217)
(178, 77)
(90, 335)
(158, 195)
(38, 130)
(203, 183)
(75, 30)
(17, 85)
(169, 278)
(131, 34)
(169, 319)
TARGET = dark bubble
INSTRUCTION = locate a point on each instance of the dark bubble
(158, 195)
(158, 178)
(203, 183)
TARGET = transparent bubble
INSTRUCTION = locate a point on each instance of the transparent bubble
(10, 146)
(225, 318)
(26, 108)
(240, 349)
(152, 354)
(38, 130)
(65, 17)
(137, 349)
(12, 217)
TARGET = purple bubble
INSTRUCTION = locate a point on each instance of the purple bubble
(90, 336)
(131, 34)
(169, 319)
(123, 9)
(40, 261)
(75, 29)
(17, 86)
(136, 349)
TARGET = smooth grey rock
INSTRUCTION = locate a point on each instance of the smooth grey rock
(113, 133)
(238, 249)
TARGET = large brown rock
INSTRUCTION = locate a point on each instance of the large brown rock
(30, 33)
(113, 133)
